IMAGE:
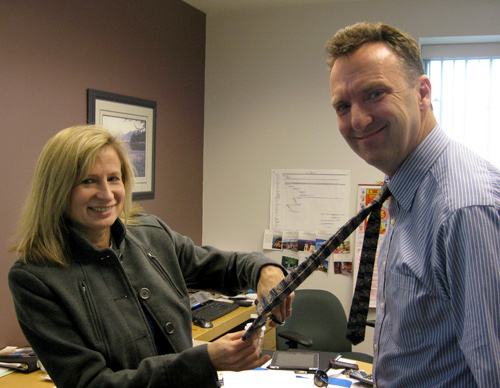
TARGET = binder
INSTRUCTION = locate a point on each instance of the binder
(21, 359)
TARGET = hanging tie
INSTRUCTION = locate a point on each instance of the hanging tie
(300, 273)
(360, 302)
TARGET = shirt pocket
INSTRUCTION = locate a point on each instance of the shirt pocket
(407, 305)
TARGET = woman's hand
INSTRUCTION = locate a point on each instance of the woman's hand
(270, 276)
(231, 353)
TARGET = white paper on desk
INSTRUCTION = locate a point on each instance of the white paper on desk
(5, 371)
(262, 379)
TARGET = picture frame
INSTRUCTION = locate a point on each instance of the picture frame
(133, 121)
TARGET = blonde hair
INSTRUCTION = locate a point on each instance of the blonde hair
(65, 160)
(349, 39)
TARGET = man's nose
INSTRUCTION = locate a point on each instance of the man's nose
(360, 117)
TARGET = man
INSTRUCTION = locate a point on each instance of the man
(438, 321)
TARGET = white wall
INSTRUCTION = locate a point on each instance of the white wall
(268, 106)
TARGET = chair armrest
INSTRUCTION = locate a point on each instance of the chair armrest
(297, 338)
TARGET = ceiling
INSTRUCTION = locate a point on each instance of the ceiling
(213, 6)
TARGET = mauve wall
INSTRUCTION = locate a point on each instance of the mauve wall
(52, 51)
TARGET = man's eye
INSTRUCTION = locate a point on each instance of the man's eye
(341, 108)
(375, 94)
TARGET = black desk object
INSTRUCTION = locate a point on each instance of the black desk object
(324, 357)
(213, 309)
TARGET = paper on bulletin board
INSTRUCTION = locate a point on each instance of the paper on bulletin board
(309, 200)
(365, 195)
(297, 246)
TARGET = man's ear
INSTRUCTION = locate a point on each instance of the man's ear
(424, 92)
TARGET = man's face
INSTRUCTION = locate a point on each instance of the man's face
(378, 112)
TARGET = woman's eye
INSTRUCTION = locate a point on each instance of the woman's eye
(88, 181)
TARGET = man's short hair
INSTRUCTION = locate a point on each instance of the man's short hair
(349, 39)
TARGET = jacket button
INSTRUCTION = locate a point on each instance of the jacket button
(144, 293)
(169, 328)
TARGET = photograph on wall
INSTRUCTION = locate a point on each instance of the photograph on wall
(290, 240)
(132, 120)
(307, 242)
(273, 240)
(289, 259)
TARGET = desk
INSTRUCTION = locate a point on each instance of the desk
(34, 379)
(324, 359)
(25, 380)
(231, 321)
(265, 378)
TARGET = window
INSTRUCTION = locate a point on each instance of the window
(465, 81)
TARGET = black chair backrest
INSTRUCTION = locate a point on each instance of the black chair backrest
(319, 315)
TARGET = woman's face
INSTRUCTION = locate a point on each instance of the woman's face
(97, 201)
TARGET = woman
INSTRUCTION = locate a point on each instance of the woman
(101, 291)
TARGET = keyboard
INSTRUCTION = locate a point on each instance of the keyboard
(213, 309)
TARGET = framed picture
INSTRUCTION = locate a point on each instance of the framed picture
(133, 121)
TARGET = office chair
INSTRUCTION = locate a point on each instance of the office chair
(318, 322)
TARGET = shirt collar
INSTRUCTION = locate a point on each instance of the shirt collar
(409, 175)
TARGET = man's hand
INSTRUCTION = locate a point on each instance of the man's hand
(270, 276)
(232, 354)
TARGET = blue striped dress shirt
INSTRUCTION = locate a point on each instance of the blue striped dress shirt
(438, 302)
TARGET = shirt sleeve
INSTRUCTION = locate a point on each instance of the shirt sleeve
(473, 271)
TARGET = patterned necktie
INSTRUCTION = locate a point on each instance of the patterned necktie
(299, 274)
(360, 302)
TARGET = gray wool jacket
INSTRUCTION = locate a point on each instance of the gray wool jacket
(121, 317)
